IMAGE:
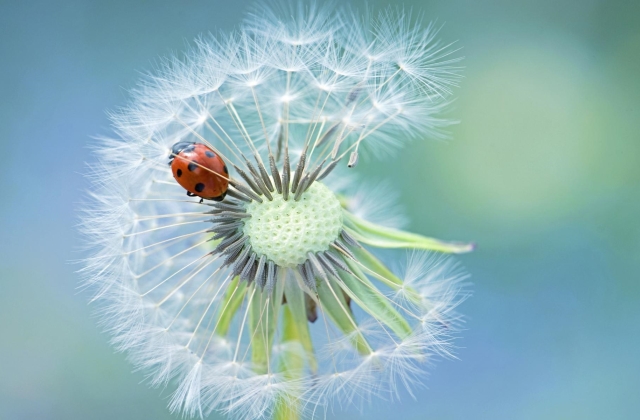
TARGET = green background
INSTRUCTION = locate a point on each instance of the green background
(543, 173)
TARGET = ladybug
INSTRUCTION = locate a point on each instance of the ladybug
(199, 170)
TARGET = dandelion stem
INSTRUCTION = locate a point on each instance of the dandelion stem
(384, 237)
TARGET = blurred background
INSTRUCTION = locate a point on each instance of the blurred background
(543, 173)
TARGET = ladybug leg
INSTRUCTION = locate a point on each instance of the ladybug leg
(190, 194)
(201, 200)
(220, 197)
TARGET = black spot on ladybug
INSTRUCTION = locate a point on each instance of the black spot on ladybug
(209, 154)
(199, 186)
(192, 166)
(226, 171)
(179, 173)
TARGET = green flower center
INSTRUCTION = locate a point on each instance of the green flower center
(285, 231)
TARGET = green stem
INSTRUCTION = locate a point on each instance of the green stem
(384, 237)
(231, 303)
(291, 364)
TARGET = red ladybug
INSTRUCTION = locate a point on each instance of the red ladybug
(199, 170)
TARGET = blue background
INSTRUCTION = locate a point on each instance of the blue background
(543, 173)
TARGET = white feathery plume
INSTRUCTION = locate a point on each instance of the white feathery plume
(268, 303)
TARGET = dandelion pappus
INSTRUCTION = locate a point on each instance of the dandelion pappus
(195, 293)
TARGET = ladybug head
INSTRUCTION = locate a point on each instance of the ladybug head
(179, 147)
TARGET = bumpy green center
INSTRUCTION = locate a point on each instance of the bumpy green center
(285, 231)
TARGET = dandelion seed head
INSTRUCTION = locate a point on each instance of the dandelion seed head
(269, 298)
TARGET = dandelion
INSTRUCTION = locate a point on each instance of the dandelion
(275, 301)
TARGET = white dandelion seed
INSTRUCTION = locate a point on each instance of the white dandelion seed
(269, 303)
